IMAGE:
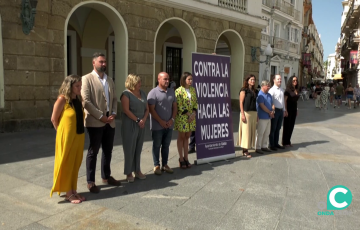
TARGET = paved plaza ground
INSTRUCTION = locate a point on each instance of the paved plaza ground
(282, 190)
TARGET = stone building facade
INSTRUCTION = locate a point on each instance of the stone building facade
(67, 32)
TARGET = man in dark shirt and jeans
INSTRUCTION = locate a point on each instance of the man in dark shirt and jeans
(339, 91)
(163, 109)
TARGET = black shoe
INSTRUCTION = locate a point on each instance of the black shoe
(93, 188)
(273, 148)
(280, 147)
(192, 150)
(265, 150)
(259, 151)
(111, 181)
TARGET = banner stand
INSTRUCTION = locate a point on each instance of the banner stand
(212, 159)
(214, 128)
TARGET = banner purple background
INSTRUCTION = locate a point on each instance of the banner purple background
(214, 134)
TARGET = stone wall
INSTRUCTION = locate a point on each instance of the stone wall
(34, 63)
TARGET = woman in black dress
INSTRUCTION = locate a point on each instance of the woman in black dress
(291, 97)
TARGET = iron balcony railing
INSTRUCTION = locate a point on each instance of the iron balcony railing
(284, 7)
(237, 5)
(280, 43)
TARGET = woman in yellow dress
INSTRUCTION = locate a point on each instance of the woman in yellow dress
(185, 120)
(68, 120)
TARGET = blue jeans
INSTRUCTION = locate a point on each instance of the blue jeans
(161, 138)
(276, 123)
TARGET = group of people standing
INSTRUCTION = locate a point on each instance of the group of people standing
(351, 94)
(263, 113)
(334, 92)
(91, 102)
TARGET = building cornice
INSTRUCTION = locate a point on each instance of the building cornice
(214, 11)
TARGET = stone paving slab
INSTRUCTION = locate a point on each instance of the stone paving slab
(281, 190)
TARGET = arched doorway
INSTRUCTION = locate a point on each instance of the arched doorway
(230, 43)
(91, 27)
(174, 42)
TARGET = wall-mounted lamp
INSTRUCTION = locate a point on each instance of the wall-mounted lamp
(268, 52)
(28, 11)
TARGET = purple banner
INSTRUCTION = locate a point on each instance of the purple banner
(214, 129)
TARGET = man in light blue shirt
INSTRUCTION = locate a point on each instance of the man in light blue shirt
(265, 109)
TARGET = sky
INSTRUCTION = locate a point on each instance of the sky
(327, 17)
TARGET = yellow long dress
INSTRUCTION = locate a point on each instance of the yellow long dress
(69, 149)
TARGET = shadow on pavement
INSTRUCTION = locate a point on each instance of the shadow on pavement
(154, 182)
(294, 147)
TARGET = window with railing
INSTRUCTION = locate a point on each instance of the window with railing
(281, 44)
(292, 34)
(237, 5)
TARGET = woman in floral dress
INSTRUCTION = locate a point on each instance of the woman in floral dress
(185, 120)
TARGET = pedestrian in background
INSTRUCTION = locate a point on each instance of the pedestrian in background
(163, 109)
(349, 95)
(248, 115)
(357, 95)
(324, 96)
(277, 94)
(291, 96)
(192, 142)
(317, 93)
(332, 93)
(68, 121)
(265, 112)
(135, 112)
(100, 103)
(185, 122)
(339, 92)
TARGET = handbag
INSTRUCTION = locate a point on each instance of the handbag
(354, 97)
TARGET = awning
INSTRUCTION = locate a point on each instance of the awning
(337, 77)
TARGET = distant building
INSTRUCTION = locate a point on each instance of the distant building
(311, 66)
(333, 66)
(283, 33)
(142, 37)
(348, 44)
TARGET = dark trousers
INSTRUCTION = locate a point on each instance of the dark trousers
(161, 140)
(289, 123)
(275, 128)
(192, 140)
(103, 136)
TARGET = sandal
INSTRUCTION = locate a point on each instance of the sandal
(80, 197)
(187, 163)
(72, 199)
(246, 153)
(182, 164)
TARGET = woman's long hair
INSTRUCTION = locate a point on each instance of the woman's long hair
(66, 86)
(290, 86)
(183, 78)
(246, 83)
